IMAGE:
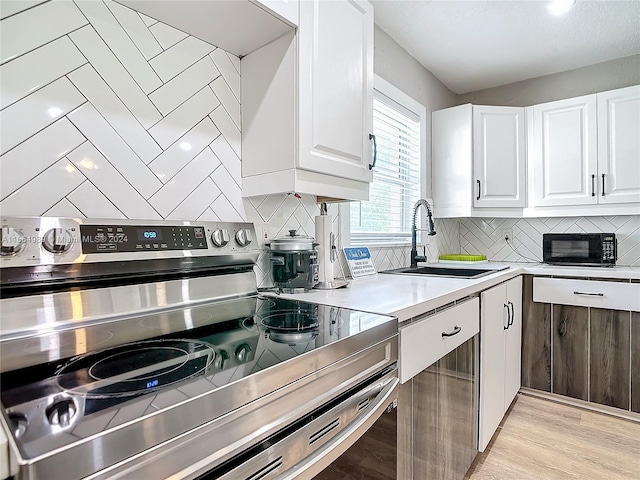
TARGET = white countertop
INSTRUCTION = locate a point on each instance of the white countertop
(407, 296)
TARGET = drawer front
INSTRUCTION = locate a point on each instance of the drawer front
(587, 293)
(422, 343)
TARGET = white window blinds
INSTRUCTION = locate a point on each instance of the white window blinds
(386, 217)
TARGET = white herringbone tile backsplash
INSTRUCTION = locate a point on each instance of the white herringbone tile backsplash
(484, 235)
(106, 113)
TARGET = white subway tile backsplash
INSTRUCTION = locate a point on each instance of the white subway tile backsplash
(166, 35)
(38, 68)
(228, 129)
(92, 203)
(33, 28)
(196, 204)
(11, 7)
(64, 208)
(116, 76)
(208, 216)
(229, 188)
(93, 87)
(226, 211)
(36, 111)
(136, 29)
(228, 99)
(183, 184)
(28, 159)
(111, 183)
(235, 61)
(37, 196)
(181, 56)
(148, 21)
(228, 157)
(184, 150)
(120, 44)
(184, 85)
(96, 129)
(180, 121)
(229, 72)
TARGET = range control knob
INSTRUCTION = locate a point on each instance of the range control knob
(13, 241)
(220, 237)
(19, 424)
(243, 237)
(61, 412)
(57, 240)
(242, 353)
(221, 360)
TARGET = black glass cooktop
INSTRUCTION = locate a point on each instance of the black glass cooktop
(143, 364)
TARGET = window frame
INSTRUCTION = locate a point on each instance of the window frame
(398, 98)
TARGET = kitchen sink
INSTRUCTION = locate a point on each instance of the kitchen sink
(452, 271)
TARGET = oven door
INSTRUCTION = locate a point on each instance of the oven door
(324, 440)
(572, 249)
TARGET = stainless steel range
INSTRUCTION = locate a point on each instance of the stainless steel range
(142, 349)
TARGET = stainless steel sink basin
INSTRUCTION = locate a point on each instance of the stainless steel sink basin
(451, 271)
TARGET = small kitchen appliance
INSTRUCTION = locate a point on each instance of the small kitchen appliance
(293, 261)
(580, 249)
(142, 349)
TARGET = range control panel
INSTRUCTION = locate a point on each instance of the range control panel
(140, 238)
(29, 241)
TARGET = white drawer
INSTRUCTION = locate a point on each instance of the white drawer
(587, 293)
(422, 343)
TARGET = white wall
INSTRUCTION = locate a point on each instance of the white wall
(610, 75)
(397, 67)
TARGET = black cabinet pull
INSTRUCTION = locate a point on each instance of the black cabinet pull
(375, 151)
(593, 185)
(590, 294)
(603, 184)
(456, 330)
(508, 317)
(513, 316)
(478, 197)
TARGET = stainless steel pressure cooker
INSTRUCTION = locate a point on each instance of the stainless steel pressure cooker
(293, 262)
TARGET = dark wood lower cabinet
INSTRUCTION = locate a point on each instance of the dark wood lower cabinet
(445, 415)
(635, 362)
(536, 340)
(588, 353)
(609, 357)
(571, 351)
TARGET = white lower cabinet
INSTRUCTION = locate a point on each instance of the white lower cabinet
(500, 354)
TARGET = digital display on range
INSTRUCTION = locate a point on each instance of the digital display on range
(149, 235)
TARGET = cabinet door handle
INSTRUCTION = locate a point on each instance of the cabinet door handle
(508, 317)
(513, 316)
(603, 184)
(375, 151)
(456, 330)
(590, 294)
(593, 185)
(478, 197)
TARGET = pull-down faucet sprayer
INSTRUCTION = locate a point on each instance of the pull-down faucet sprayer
(431, 229)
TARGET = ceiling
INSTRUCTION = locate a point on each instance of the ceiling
(473, 45)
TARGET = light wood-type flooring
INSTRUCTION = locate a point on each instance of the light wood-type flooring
(545, 440)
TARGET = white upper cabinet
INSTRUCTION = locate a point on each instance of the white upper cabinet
(478, 160)
(287, 10)
(619, 145)
(564, 152)
(307, 101)
(336, 87)
(499, 156)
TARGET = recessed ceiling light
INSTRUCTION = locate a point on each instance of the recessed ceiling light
(560, 7)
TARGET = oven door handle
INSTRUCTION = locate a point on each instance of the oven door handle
(320, 459)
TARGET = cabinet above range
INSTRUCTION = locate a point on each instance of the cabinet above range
(237, 26)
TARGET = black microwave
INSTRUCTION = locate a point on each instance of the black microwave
(588, 249)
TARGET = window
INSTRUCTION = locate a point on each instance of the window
(398, 124)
